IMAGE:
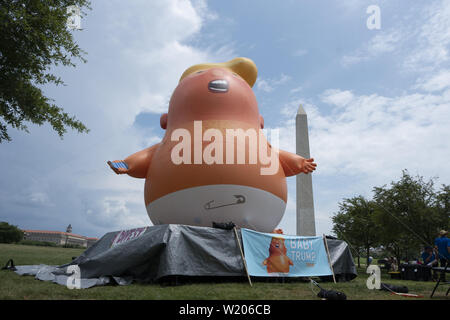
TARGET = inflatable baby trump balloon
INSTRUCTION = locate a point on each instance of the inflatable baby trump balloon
(214, 163)
(277, 261)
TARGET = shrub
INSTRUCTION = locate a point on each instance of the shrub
(10, 233)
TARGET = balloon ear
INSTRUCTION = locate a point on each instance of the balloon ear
(163, 121)
(261, 121)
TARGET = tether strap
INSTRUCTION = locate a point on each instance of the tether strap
(8, 266)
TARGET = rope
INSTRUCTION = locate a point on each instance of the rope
(312, 286)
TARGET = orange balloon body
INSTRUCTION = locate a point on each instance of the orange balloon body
(236, 109)
(198, 194)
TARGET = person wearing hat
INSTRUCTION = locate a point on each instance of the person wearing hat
(442, 245)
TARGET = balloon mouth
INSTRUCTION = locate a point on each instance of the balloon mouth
(218, 86)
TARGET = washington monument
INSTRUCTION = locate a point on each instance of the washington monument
(306, 225)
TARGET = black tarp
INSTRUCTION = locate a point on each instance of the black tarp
(341, 259)
(167, 250)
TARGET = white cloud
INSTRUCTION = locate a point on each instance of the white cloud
(337, 97)
(201, 7)
(369, 139)
(117, 208)
(268, 85)
(378, 136)
(381, 43)
(289, 110)
(422, 41)
(295, 90)
(152, 102)
(384, 42)
(264, 85)
(436, 82)
(433, 39)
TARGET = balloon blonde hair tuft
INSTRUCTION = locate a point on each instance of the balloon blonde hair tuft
(244, 67)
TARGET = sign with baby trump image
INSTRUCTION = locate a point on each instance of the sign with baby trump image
(272, 255)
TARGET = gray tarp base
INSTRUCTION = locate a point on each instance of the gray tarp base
(168, 250)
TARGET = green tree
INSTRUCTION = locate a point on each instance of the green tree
(410, 213)
(34, 37)
(10, 233)
(355, 223)
(442, 205)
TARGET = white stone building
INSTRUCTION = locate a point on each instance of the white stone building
(58, 237)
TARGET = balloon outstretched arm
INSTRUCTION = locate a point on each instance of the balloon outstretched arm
(294, 164)
(135, 165)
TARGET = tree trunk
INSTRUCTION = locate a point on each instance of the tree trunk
(368, 254)
(397, 255)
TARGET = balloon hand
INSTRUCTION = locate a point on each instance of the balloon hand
(308, 165)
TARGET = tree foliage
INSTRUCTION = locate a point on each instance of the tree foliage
(10, 233)
(409, 213)
(34, 37)
(355, 222)
(402, 217)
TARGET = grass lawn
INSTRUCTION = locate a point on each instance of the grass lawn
(13, 286)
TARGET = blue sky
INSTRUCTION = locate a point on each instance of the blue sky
(378, 101)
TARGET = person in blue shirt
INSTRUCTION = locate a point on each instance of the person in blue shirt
(428, 257)
(442, 245)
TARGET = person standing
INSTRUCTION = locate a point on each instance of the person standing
(442, 245)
